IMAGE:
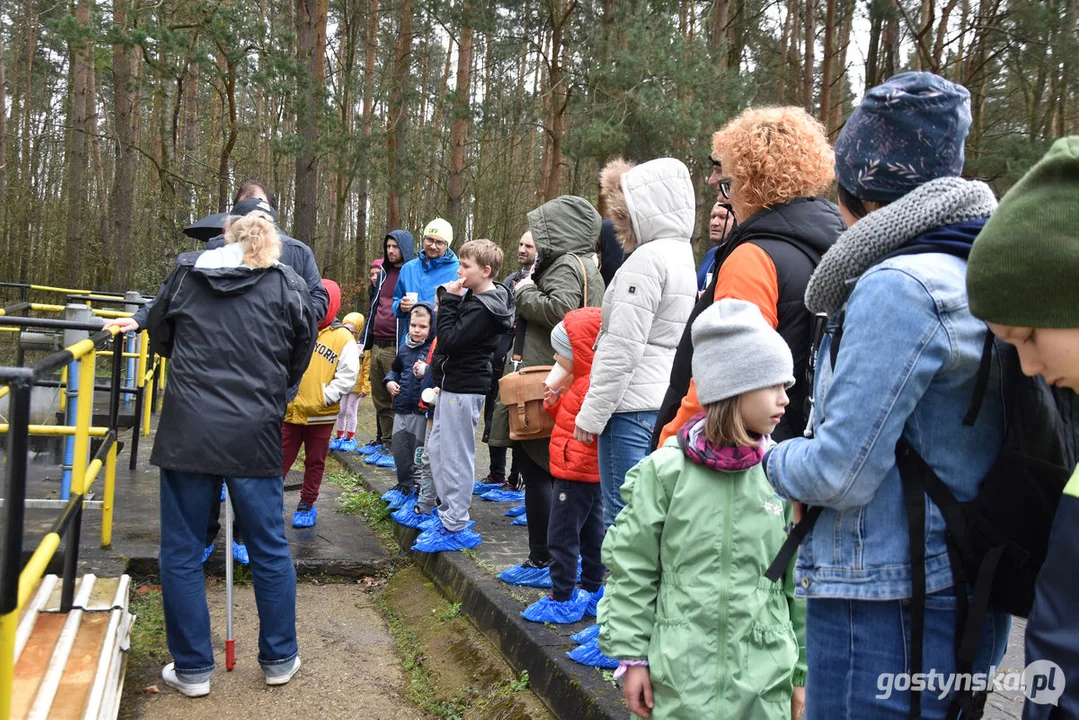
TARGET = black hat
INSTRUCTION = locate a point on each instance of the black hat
(248, 205)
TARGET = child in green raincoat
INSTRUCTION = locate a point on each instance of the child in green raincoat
(697, 628)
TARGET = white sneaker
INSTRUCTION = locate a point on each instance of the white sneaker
(280, 674)
(190, 689)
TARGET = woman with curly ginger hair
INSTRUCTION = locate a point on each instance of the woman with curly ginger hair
(774, 162)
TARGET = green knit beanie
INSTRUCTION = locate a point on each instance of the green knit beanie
(1024, 266)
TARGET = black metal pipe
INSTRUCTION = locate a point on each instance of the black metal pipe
(14, 503)
(57, 383)
(62, 523)
(24, 286)
(60, 358)
(71, 560)
(17, 307)
(117, 370)
(153, 388)
(136, 428)
(16, 321)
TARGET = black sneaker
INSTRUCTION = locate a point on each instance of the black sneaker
(492, 478)
(529, 564)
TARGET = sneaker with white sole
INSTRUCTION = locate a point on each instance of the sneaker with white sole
(190, 689)
(282, 673)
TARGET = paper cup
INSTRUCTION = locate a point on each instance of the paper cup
(556, 377)
(413, 297)
(428, 396)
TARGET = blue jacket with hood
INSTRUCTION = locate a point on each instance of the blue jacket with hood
(408, 400)
(423, 276)
(407, 244)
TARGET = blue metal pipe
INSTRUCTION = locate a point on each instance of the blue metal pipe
(72, 391)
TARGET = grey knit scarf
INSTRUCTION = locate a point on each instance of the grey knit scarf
(944, 201)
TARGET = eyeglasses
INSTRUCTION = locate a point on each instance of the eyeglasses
(436, 242)
(715, 163)
(724, 186)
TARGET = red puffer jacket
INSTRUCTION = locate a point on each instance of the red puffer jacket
(570, 459)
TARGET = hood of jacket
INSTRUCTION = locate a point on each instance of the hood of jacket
(567, 224)
(813, 221)
(223, 269)
(334, 291)
(433, 264)
(499, 302)
(405, 241)
(649, 201)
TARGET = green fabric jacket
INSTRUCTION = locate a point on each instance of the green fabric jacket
(687, 590)
(564, 229)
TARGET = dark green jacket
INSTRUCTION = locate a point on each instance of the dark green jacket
(565, 231)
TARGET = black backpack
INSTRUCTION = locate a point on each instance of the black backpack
(997, 541)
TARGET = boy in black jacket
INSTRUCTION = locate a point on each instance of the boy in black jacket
(472, 315)
(405, 382)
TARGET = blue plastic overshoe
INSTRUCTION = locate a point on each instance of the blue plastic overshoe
(347, 445)
(515, 511)
(385, 461)
(370, 448)
(479, 488)
(335, 443)
(514, 496)
(526, 576)
(239, 553)
(305, 516)
(585, 636)
(399, 502)
(207, 552)
(442, 540)
(593, 600)
(590, 655)
(435, 523)
(408, 517)
(393, 495)
(547, 609)
(520, 520)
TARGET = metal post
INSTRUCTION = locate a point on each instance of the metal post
(132, 306)
(117, 372)
(74, 313)
(135, 432)
(11, 551)
(71, 560)
(20, 355)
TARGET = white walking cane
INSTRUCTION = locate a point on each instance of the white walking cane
(230, 643)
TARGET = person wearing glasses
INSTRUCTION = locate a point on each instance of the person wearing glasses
(774, 164)
(436, 264)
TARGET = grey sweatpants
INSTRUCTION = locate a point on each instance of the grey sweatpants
(452, 448)
(409, 430)
(425, 503)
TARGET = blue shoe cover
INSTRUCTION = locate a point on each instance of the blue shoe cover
(408, 517)
(335, 444)
(398, 503)
(239, 553)
(207, 552)
(520, 520)
(547, 609)
(307, 519)
(442, 540)
(370, 448)
(347, 445)
(504, 496)
(593, 601)
(393, 495)
(515, 511)
(479, 488)
(222, 492)
(589, 654)
(529, 577)
(372, 458)
(586, 636)
(436, 523)
(385, 461)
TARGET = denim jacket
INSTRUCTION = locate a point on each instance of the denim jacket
(910, 352)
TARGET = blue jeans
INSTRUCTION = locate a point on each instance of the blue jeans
(851, 644)
(186, 502)
(623, 443)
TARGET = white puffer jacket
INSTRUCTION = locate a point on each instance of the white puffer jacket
(648, 302)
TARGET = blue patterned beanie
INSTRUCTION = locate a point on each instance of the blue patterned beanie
(906, 132)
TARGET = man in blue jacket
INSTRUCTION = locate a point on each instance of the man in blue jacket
(435, 265)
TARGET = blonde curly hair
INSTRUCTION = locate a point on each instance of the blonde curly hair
(773, 155)
(258, 234)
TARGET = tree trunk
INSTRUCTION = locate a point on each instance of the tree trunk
(3, 147)
(230, 140)
(125, 97)
(462, 113)
(810, 21)
(942, 33)
(826, 63)
(717, 38)
(362, 200)
(843, 83)
(873, 53)
(311, 50)
(397, 117)
(77, 150)
(557, 17)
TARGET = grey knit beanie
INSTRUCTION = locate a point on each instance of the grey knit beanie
(735, 351)
(560, 341)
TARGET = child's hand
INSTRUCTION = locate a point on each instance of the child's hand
(419, 368)
(550, 397)
(393, 388)
(798, 703)
(456, 288)
(637, 689)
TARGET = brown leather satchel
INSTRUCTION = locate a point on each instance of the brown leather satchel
(522, 391)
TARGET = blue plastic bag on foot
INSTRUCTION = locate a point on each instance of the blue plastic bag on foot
(515, 511)
(589, 654)
(503, 496)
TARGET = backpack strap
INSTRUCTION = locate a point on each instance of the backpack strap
(981, 381)
(914, 501)
(795, 537)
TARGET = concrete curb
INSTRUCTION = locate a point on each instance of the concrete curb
(568, 689)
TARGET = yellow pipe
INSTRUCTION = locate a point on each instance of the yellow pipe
(65, 291)
(112, 313)
(5, 390)
(108, 353)
(144, 347)
(9, 626)
(80, 348)
(35, 569)
(84, 413)
(161, 385)
(110, 491)
(63, 390)
(9, 329)
(42, 307)
(54, 430)
(91, 474)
